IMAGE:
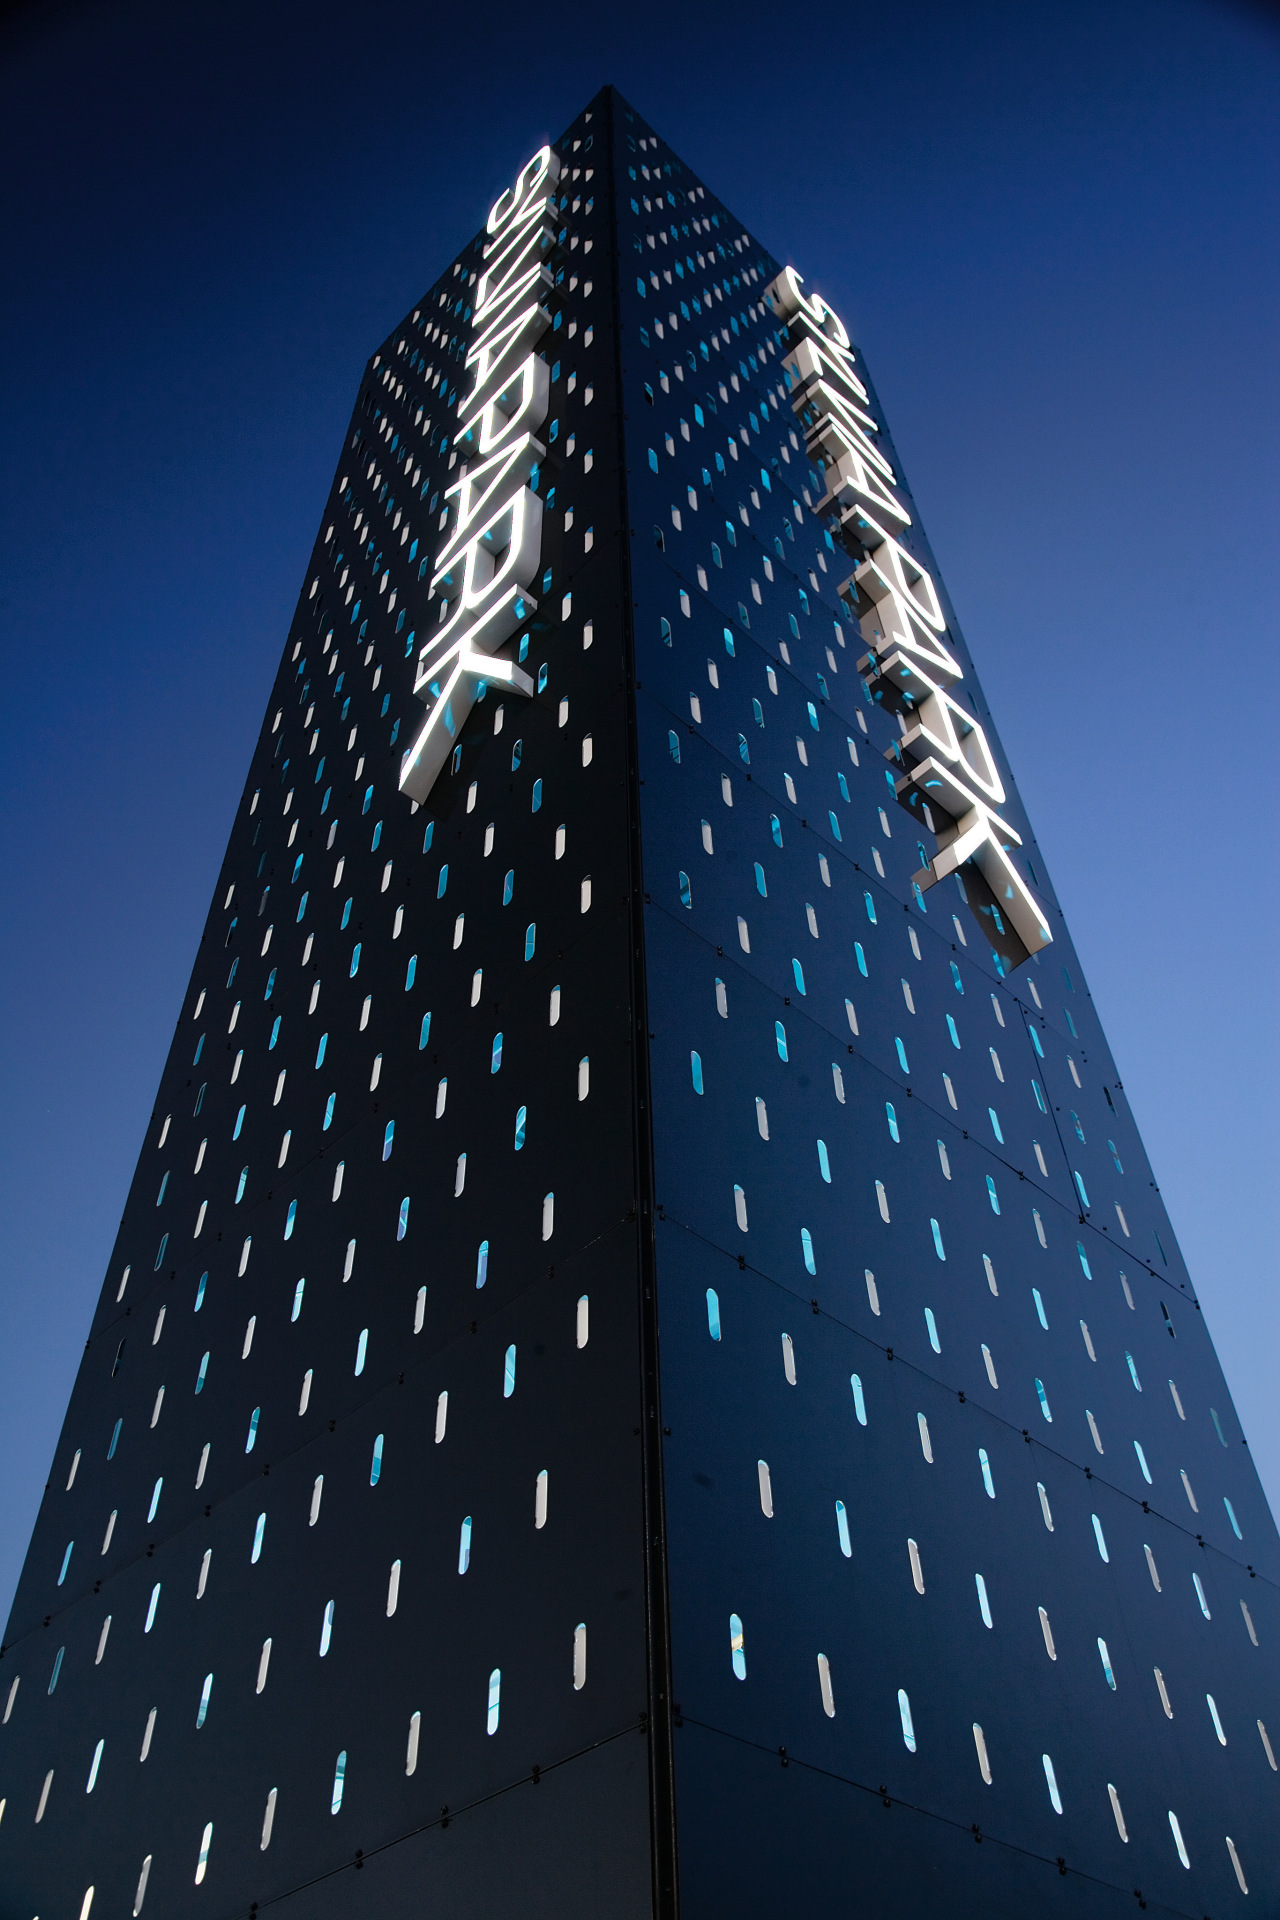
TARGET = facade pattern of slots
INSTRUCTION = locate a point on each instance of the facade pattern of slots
(644, 1366)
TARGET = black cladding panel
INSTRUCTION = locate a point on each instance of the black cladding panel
(938, 1392)
(356, 1439)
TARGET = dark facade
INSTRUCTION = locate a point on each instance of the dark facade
(644, 1366)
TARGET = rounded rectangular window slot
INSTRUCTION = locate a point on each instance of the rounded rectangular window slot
(509, 1372)
(264, 1661)
(740, 1208)
(908, 1728)
(737, 1650)
(990, 1366)
(917, 1571)
(859, 1402)
(1266, 1747)
(824, 1684)
(1047, 1631)
(442, 1415)
(980, 1743)
(579, 1656)
(1164, 1693)
(1051, 1781)
(411, 1751)
(789, 1359)
(842, 1529)
(495, 1701)
(582, 1322)
(393, 1588)
(873, 1295)
(1217, 1723)
(766, 1488)
(202, 1859)
(984, 1604)
(1121, 1829)
(926, 1445)
(540, 1500)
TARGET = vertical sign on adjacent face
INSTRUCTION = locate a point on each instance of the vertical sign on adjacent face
(489, 560)
(949, 773)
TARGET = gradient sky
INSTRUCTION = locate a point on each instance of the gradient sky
(1052, 230)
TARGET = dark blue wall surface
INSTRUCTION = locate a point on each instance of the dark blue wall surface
(256, 1434)
(857, 1061)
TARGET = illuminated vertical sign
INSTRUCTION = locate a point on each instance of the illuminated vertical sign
(487, 565)
(949, 773)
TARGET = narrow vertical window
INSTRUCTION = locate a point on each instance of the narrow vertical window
(737, 1651)
(980, 1743)
(824, 1686)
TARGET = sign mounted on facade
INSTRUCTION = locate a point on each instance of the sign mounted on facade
(949, 771)
(486, 567)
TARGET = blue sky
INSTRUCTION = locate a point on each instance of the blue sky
(1051, 230)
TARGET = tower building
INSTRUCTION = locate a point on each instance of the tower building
(644, 1368)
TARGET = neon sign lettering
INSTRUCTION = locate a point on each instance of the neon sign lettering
(489, 560)
(949, 773)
